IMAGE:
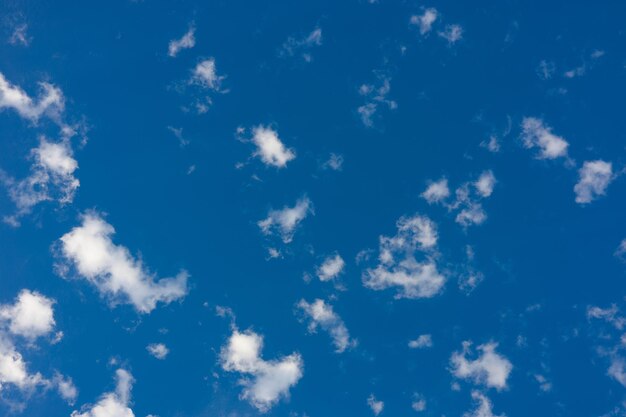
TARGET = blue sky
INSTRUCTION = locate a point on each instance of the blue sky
(312, 208)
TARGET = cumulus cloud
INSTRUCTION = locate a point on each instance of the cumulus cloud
(187, 41)
(302, 46)
(425, 21)
(13, 369)
(436, 191)
(485, 183)
(158, 350)
(51, 178)
(452, 33)
(270, 148)
(610, 315)
(483, 407)
(489, 368)
(331, 268)
(112, 269)
(205, 74)
(375, 405)
(31, 315)
(593, 179)
(536, 134)
(375, 96)
(112, 404)
(65, 387)
(321, 314)
(334, 162)
(492, 145)
(422, 341)
(285, 221)
(397, 265)
(267, 381)
(50, 101)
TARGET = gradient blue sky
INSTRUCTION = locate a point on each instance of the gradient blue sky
(515, 282)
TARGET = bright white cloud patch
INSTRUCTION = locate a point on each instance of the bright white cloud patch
(51, 178)
(485, 183)
(158, 350)
(187, 41)
(489, 368)
(594, 179)
(422, 341)
(425, 21)
(375, 405)
(13, 370)
(113, 270)
(331, 268)
(66, 388)
(50, 101)
(436, 191)
(483, 407)
(205, 75)
(112, 404)
(535, 134)
(286, 220)
(268, 381)
(398, 267)
(321, 314)
(30, 316)
(270, 148)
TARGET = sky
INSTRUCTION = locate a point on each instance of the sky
(301, 209)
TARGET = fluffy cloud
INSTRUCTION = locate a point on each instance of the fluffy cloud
(485, 183)
(13, 370)
(286, 220)
(425, 20)
(113, 270)
(334, 162)
(375, 405)
(294, 46)
(51, 178)
(112, 404)
(483, 407)
(594, 179)
(269, 381)
(452, 33)
(535, 134)
(398, 266)
(489, 368)
(436, 191)
(187, 41)
(50, 101)
(30, 316)
(205, 75)
(331, 268)
(419, 403)
(422, 341)
(270, 148)
(158, 350)
(375, 95)
(321, 314)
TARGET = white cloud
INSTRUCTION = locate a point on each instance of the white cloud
(594, 179)
(112, 404)
(610, 315)
(187, 41)
(422, 341)
(13, 368)
(375, 96)
(321, 314)
(617, 370)
(286, 220)
(425, 20)
(205, 75)
(270, 148)
(293, 46)
(50, 102)
(158, 350)
(30, 316)
(334, 162)
(485, 183)
(492, 145)
(621, 250)
(20, 35)
(397, 265)
(113, 270)
(436, 191)
(483, 407)
(489, 368)
(269, 380)
(331, 268)
(51, 178)
(375, 405)
(536, 134)
(419, 403)
(66, 388)
(452, 33)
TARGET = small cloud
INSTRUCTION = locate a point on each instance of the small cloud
(20, 35)
(187, 41)
(546, 69)
(331, 268)
(536, 134)
(321, 314)
(593, 179)
(419, 403)
(375, 405)
(334, 162)
(376, 96)
(489, 368)
(158, 350)
(452, 34)
(422, 341)
(301, 46)
(269, 148)
(437, 191)
(286, 220)
(425, 21)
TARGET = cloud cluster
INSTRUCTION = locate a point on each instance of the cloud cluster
(286, 220)
(375, 405)
(268, 381)
(397, 264)
(112, 404)
(489, 368)
(187, 41)
(158, 350)
(375, 96)
(112, 269)
(425, 21)
(594, 179)
(331, 268)
(421, 342)
(204, 76)
(49, 103)
(536, 134)
(302, 46)
(321, 314)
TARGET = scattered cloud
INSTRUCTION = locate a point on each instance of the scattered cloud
(485, 183)
(158, 350)
(331, 268)
(321, 314)
(492, 145)
(50, 101)
(594, 179)
(269, 381)
(112, 404)
(178, 133)
(546, 69)
(610, 315)
(536, 134)
(20, 35)
(270, 149)
(204, 76)
(489, 368)
(425, 21)
(334, 162)
(419, 403)
(375, 405)
(483, 407)
(422, 341)
(31, 315)
(187, 41)
(302, 46)
(452, 34)
(375, 96)
(285, 221)
(112, 269)
(436, 191)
